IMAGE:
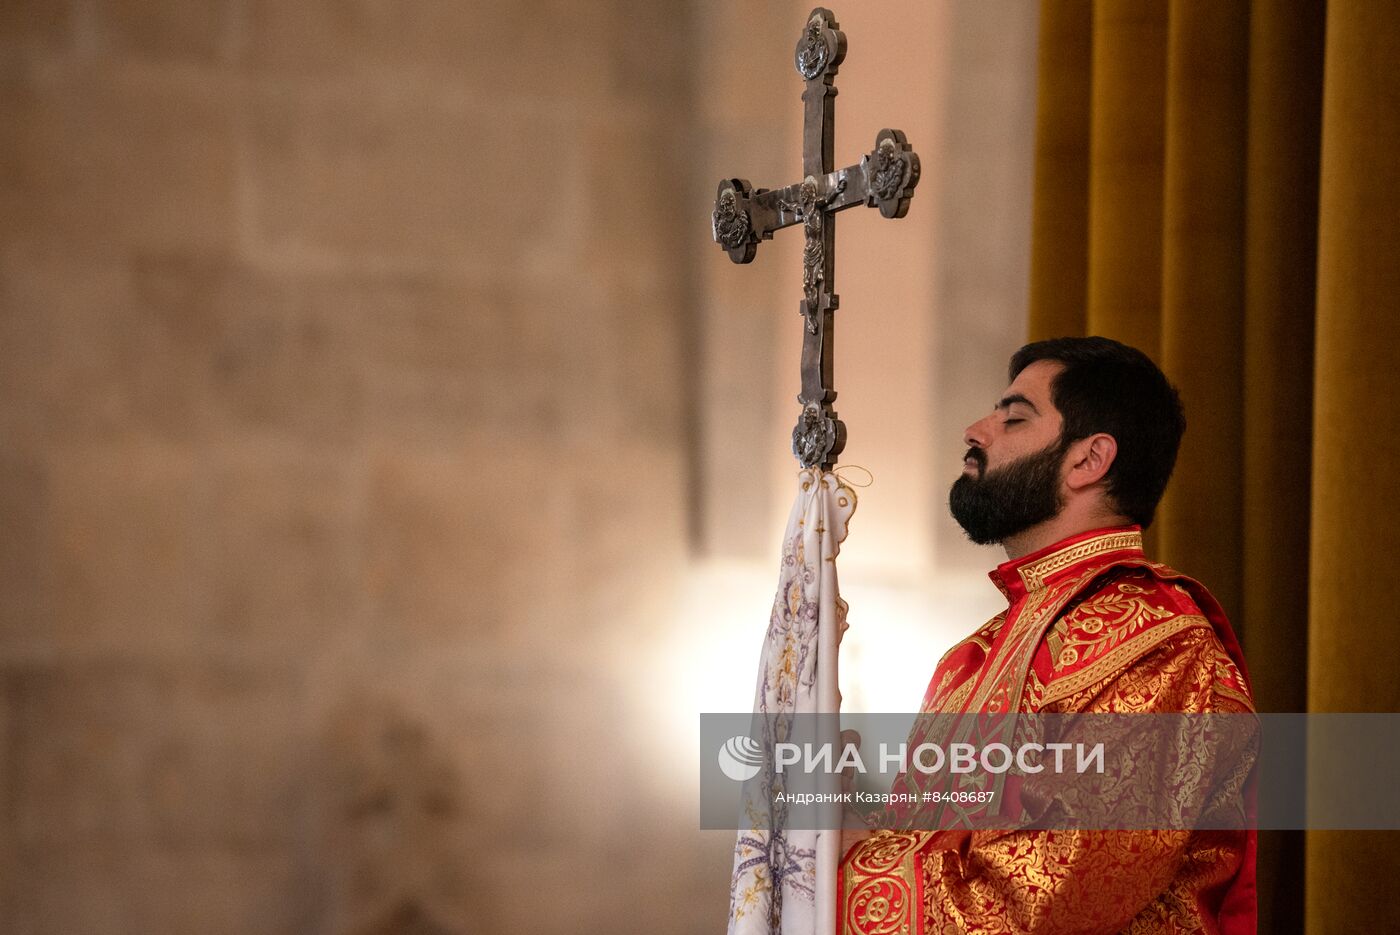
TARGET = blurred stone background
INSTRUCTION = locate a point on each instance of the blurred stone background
(391, 469)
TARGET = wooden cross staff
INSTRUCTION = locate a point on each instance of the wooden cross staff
(884, 178)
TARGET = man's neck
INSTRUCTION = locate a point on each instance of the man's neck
(1063, 526)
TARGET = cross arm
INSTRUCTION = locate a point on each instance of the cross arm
(884, 178)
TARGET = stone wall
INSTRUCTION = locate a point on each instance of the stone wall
(340, 425)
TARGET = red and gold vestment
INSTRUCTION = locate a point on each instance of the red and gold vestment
(1092, 626)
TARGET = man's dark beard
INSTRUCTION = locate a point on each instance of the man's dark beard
(995, 505)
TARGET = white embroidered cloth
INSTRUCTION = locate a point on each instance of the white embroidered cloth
(784, 881)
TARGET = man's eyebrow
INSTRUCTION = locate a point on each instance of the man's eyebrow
(1010, 398)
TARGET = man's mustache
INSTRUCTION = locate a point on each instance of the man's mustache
(978, 455)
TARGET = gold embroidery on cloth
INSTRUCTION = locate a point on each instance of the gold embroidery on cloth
(1025, 631)
(1002, 675)
(1118, 657)
(1104, 619)
(1033, 575)
(880, 885)
(884, 849)
(942, 687)
(982, 638)
(1157, 681)
(1070, 881)
(955, 700)
(1062, 882)
(1229, 681)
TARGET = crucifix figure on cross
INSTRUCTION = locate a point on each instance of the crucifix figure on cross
(884, 178)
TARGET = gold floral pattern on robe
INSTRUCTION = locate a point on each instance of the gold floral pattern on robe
(1132, 637)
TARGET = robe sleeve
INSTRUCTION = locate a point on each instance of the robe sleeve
(1060, 881)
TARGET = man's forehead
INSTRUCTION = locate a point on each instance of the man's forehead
(1034, 382)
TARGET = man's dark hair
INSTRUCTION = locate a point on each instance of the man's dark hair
(1110, 387)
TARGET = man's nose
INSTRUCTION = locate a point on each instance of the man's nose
(975, 435)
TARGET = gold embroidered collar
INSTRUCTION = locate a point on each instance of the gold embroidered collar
(1073, 555)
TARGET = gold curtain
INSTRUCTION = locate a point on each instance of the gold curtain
(1214, 189)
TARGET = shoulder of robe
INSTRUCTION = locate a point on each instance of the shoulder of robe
(1123, 616)
(981, 638)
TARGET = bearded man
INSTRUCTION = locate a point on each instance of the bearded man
(1065, 473)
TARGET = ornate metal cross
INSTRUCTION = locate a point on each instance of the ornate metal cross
(884, 178)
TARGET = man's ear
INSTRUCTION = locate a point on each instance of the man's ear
(1090, 459)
